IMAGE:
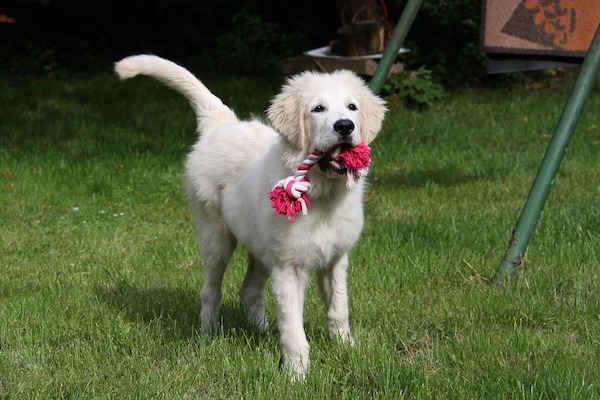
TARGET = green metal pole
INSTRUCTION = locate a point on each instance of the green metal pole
(547, 172)
(396, 41)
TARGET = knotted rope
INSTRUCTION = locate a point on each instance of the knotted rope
(288, 196)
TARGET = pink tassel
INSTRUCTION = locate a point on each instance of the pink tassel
(283, 204)
(355, 158)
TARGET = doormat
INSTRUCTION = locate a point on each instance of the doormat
(563, 28)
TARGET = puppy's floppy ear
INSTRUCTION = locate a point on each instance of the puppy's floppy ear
(288, 117)
(372, 111)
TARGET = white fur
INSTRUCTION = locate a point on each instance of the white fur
(232, 167)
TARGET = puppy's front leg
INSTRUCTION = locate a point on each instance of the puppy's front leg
(334, 292)
(289, 284)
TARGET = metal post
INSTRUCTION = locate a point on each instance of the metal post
(396, 41)
(547, 172)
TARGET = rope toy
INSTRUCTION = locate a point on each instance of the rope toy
(288, 196)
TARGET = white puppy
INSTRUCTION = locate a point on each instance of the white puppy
(236, 163)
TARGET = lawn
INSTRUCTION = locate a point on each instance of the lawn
(100, 275)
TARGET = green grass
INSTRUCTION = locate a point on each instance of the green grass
(99, 272)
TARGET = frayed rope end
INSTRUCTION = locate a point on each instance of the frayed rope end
(283, 204)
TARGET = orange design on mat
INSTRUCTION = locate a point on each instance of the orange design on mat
(560, 19)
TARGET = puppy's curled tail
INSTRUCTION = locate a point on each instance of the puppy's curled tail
(207, 106)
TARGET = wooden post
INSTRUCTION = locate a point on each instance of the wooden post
(359, 39)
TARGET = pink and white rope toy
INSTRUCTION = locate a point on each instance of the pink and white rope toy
(288, 196)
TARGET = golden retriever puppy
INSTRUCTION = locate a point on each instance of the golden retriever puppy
(236, 166)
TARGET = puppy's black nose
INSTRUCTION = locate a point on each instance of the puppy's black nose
(344, 127)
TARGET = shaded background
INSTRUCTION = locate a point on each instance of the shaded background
(249, 37)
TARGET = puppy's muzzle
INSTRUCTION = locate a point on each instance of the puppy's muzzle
(344, 127)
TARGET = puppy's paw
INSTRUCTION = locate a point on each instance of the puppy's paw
(347, 339)
(208, 323)
(341, 334)
(297, 372)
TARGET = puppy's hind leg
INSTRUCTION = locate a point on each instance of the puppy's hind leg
(217, 246)
(252, 293)
(334, 292)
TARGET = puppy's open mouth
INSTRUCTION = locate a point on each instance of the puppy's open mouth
(330, 165)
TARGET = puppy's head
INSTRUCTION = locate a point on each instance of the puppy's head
(322, 111)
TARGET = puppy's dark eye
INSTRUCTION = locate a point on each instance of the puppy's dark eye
(318, 108)
(352, 107)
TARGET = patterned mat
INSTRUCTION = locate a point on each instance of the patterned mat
(539, 27)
